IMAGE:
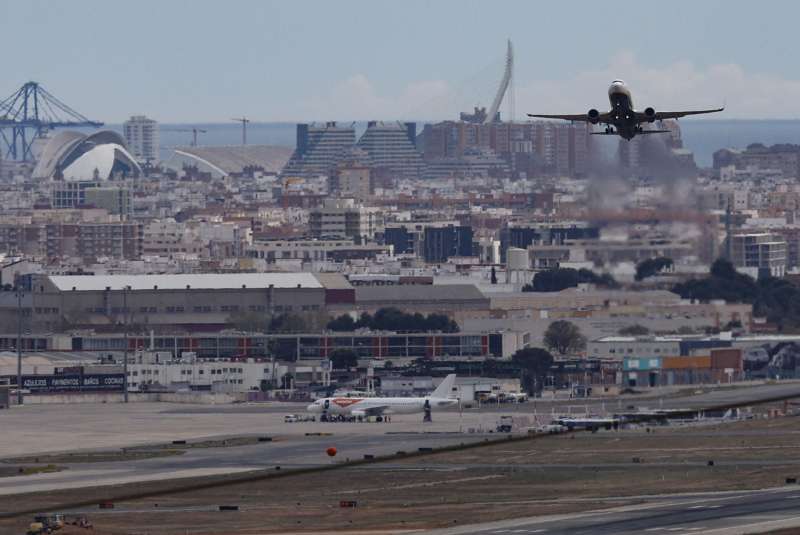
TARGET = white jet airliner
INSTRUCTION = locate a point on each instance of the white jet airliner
(362, 407)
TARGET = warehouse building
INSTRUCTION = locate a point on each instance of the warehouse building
(193, 302)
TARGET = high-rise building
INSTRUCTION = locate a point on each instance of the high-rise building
(319, 149)
(392, 146)
(142, 136)
(442, 242)
(528, 149)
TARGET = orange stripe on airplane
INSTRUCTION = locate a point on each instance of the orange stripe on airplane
(346, 402)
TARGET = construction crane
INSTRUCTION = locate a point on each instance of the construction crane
(244, 121)
(28, 114)
(194, 132)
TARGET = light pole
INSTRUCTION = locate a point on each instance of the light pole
(125, 338)
(19, 346)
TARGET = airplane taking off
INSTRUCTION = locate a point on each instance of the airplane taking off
(362, 407)
(623, 120)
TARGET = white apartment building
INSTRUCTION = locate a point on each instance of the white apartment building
(142, 136)
(347, 219)
(759, 253)
(205, 239)
(314, 250)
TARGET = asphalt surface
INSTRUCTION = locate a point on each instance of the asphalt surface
(42, 429)
(737, 512)
(289, 452)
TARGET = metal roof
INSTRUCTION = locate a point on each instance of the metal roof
(412, 292)
(204, 281)
(235, 159)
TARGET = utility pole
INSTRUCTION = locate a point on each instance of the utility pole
(19, 345)
(125, 354)
(244, 121)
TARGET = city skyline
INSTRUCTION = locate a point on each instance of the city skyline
(360, 61)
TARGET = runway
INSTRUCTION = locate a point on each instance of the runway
(42, 429)
(289, 452)
(729, 513)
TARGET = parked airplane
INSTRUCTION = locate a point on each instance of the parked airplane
(623, 120)
(587, 422)
(370, 406)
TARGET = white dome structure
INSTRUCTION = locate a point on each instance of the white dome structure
(73, 156)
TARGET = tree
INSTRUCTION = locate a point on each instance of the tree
(534, 363)
(564, 337)
(724, 283)
(634, 330)
(555, 280)
(651, 266)
(393, 319)
(343, 359)
(287, 323)
(344, 323)
(249, 321)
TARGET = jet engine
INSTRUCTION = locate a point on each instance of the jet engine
(594, 116)
(650, 114)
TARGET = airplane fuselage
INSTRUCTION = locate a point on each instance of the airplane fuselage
(623, 114)
(363, 406)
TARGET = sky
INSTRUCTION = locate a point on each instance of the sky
(208, 61)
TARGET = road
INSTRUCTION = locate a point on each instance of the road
(730, 513)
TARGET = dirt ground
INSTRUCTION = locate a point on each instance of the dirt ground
(547, 475)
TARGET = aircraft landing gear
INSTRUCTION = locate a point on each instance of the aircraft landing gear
(609, 130)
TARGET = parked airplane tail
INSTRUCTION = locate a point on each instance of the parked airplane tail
(445, 388)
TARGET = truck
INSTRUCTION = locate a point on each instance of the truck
(505, 424)
(50, 523)
(44, 523)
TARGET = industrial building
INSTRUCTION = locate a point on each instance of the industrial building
(178, 302)
(717, 366)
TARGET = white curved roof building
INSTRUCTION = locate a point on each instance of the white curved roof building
(73, 156)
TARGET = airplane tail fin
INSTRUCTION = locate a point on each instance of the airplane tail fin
(445, 388)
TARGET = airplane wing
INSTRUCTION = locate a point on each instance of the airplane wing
(660, 115)
(584, 117)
